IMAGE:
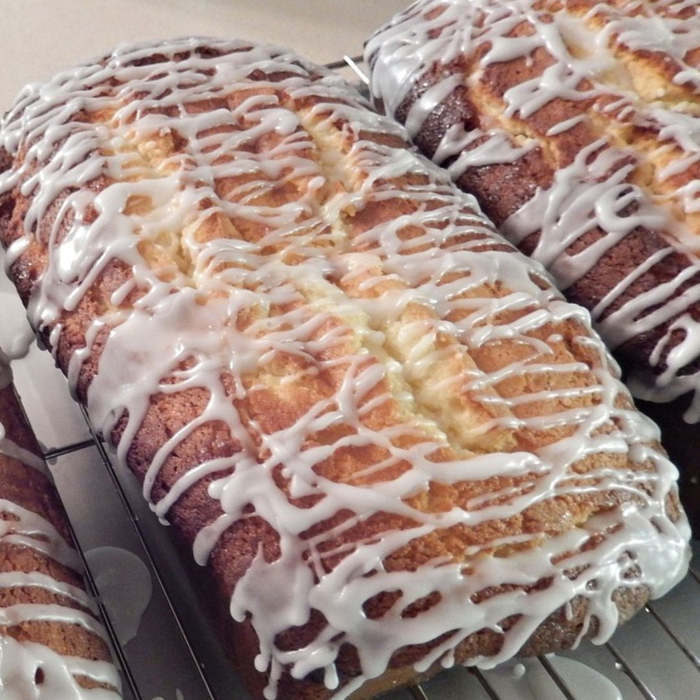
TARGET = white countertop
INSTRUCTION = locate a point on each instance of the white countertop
(42, 36)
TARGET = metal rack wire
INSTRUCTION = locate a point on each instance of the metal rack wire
(656, 655)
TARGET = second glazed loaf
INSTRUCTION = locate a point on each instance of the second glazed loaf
(575, 123)
(391, 442)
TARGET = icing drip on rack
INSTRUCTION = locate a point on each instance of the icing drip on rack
(588, 44)
(364, 315)
(528, 680)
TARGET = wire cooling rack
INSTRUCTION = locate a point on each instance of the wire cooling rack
(174, 656)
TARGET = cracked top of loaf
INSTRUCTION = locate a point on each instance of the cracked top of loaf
(386, 434)
(577, 125)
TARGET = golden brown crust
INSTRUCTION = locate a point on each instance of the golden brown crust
(473, 422)
(502, 188)
(618, 106)
(31, 490)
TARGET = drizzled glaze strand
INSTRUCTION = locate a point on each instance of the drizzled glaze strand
(595, 190)
(375, 330)
(21, 661)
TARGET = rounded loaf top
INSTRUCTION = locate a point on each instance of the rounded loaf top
(381, 427)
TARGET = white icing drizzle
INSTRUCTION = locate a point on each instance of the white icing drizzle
(595, 188)
(19, 661)
(16, 335)
(31, 530)
(10, 579)
(49, 612)
(495, 147)
(582, 197)
(22, 662)
(298, 311)
(31, 671)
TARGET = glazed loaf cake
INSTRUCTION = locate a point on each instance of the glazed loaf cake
(575, 123)
(391, 442)
(52, 646)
